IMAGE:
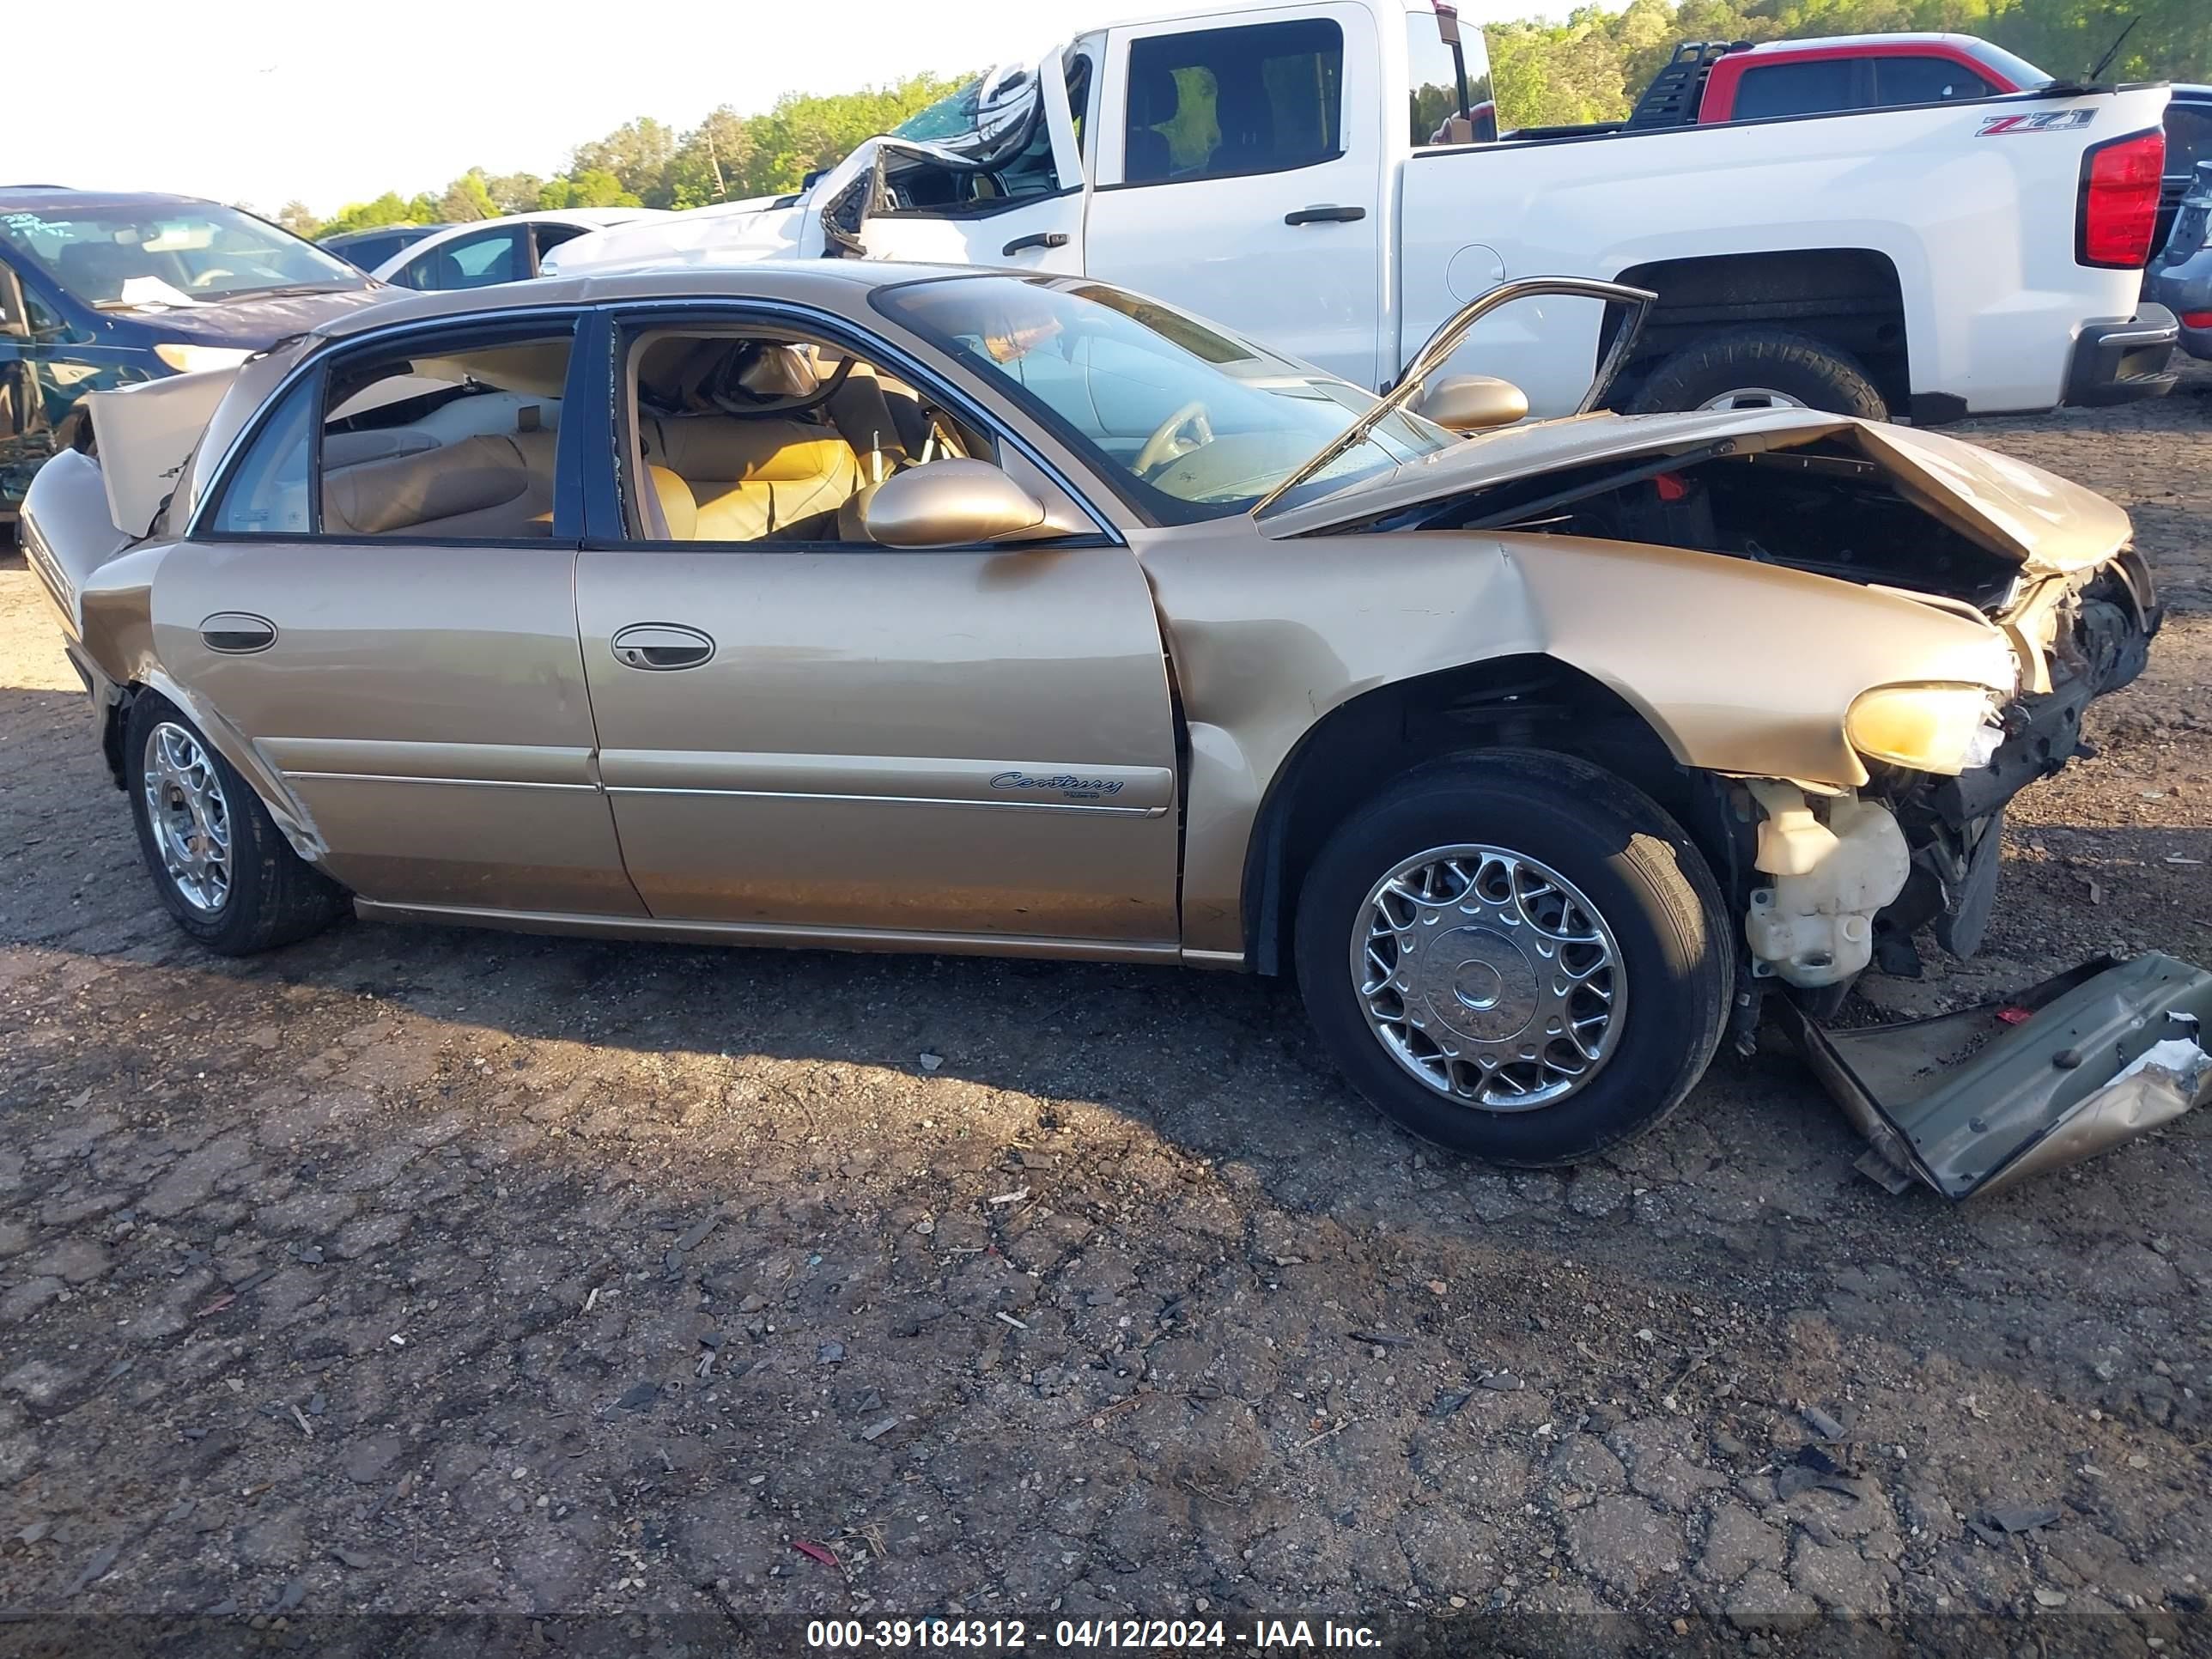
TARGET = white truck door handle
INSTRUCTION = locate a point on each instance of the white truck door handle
(1324, 215)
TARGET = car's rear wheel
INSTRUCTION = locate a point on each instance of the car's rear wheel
(1760, 368)
(1515, 955)
(217, 859)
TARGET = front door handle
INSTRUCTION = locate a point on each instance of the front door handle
(237, 633)
(1041, 239)
(1325, 216)
(661, 645)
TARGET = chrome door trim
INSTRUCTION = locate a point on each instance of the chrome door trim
(893, 800)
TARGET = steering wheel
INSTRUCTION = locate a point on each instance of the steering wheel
(1161, 447)
(207, 276)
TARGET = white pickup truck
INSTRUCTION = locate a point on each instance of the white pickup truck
(1326, 177)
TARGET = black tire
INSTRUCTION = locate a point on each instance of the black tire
(1775, 359)
(274, 897)
(1632, 863)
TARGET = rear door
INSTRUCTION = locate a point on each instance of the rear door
(819, 737)
(380, 597)
(1240, 176)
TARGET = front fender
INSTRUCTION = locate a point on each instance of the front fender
(1737, 667)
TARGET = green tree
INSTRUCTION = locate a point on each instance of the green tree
(295, 217)
(467, 199)
(513, 192)
(637, 154)
(593, 187)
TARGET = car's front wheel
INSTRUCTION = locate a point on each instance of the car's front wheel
(218, 860)
(1515, 955)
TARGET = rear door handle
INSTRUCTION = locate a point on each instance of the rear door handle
(237, 633)
(1325, 216)
(1041, 239)
(661, 645)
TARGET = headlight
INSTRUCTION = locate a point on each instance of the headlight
(1929, 729)
(191, 359)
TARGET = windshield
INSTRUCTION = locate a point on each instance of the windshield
(117, 256)
(1186, 422)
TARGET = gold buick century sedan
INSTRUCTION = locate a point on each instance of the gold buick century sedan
(867, 606)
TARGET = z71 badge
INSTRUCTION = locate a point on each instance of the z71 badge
(2056, 120)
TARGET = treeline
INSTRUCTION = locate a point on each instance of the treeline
(647, 163)
(1588, 68)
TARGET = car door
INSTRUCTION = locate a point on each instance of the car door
(1240, 177)
(1032, 217)
(378, 596)
(833, 740)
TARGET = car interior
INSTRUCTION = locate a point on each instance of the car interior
(751, 438)
(447, 446)
(745, 438)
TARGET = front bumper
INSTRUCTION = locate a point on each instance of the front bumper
(2120, 362)
(1974, 1101)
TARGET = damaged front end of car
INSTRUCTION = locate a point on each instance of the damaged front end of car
(1868, 796)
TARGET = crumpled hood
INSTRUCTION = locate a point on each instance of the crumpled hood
(253, 324)
(2051, 526)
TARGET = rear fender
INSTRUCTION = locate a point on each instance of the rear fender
(289, 813)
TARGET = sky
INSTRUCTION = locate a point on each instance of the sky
(266, 102)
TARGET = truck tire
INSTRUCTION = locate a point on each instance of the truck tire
(1760, 368)
(1515, 955)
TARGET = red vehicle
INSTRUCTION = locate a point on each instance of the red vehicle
(1709, 81)
(1744, 83)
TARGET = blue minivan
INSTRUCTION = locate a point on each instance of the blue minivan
(98, 290)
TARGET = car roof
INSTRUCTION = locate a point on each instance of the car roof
(95, 201)
(436, 236)
(344, 236)
(800, 281)
(1966, 43)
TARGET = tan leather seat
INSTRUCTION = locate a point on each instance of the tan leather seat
(499, 486)
(679, 513)
(754, 479)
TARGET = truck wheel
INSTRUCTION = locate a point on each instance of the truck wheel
(218, 860)
(1760, 368)
(1515, 955)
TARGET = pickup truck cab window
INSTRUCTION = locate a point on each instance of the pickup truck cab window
(1812, 85)
(1925, 80)
(1218, 103)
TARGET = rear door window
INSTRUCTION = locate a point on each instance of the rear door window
(1809, 87)
(476, 261)
(2188, 137)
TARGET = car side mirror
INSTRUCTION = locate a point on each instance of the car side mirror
(950, 503)
(1471, 403)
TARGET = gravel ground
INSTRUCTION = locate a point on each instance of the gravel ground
(420, 1272)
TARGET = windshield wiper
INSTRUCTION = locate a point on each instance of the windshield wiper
(283, 291)
(1445, 341)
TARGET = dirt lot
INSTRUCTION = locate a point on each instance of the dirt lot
(410, 1271)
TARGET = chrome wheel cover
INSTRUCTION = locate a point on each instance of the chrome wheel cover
(1755, 397)
(189, 817)
(1489, 978)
